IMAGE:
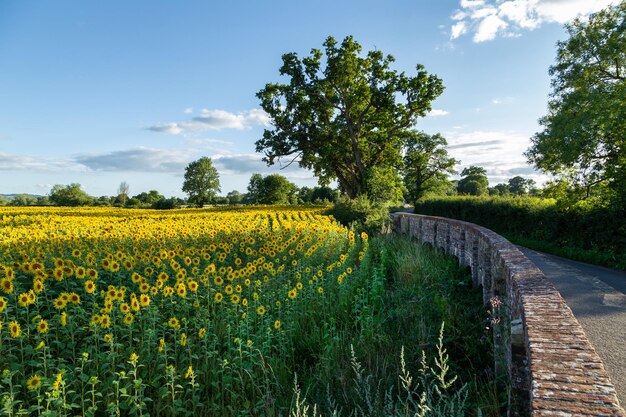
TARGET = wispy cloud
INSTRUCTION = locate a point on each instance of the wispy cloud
(13, 162)
(499, 152)
(139, 160)
(214, 120)
(437, 113)
(487, 19)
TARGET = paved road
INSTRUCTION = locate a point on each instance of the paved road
(597, 297)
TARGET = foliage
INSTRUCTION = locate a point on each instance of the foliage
(167, 203)
(586, 226)
(473, 181)
(361, 213)
(234, 197)
(317, 195)
(346, 118)
(521, 186)
(271, 189)
(69, 195)
(583, 132)
(202, 182)
(427, 165)
(23, 200)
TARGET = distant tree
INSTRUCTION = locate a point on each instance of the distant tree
(345, 116)
(500, 189)
(255, 189)
(103, 201)
(277, 190)
(202, 182)
(305, 195)
(69, 195)
(427, 165)
(150, 197)
(122, 192)
(43, 200)
(23, 200)
(520, 185)
(473, 181)
(324, 194)
(234, 197)
(584, 133)
(167, 203)
(3, 201)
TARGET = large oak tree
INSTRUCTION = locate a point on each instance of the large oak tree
(343, 115)
(584, 132)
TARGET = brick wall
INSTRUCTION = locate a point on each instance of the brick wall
(539, 346)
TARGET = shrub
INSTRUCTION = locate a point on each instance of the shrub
(361, 213)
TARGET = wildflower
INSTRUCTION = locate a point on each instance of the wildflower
(60, 303)
(277, 324)
(42, 326)
(218, 297)
(33, 383)
(293, 293)
(234, 299)
(260, 310)
(15, 329)
(108, 338)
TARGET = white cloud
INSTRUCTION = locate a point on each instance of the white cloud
(188, 110)
(489, 28)
(215, 120)
(490, 18)
(499, 152)
(458, 29)
(12, 162)
(437, 113)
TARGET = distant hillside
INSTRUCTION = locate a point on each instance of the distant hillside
(10, 196)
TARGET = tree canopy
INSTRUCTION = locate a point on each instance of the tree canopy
(202, 182)
(271, 189)
(584, 132)
(427, 165)
(343, 115)
(473, 181)
(69, 195)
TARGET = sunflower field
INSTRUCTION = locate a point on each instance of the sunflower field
(115, 312)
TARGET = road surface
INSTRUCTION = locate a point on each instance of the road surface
(597, 297)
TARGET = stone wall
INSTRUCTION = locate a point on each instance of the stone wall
(539, 345)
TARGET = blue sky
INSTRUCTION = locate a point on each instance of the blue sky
(103, 92)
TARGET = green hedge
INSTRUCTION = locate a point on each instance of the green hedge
(585, 231)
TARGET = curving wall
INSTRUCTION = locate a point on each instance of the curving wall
(539, 345)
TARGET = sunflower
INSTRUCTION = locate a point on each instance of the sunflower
(63, 319)
(3, 304)
(42, 326)
(202, 332)
(90, 286)
(144, 300)
(181, 290)
(60, 303)
(33, 383)
(277, 324)
(38, 286)
(161, 344)
(80, 272)
(293, 293)
(228, 289)
(58, 381)
(15, 328)
(108, 338)
(128, 319)
(105, 321)
(125, 308)
(174, 323)
(7, 285)
(260, 310)
(183, 339)
(92, 273)
(74, 298)
(193, 286)
(218, 297)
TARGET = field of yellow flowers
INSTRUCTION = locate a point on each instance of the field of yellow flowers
(115, 312)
